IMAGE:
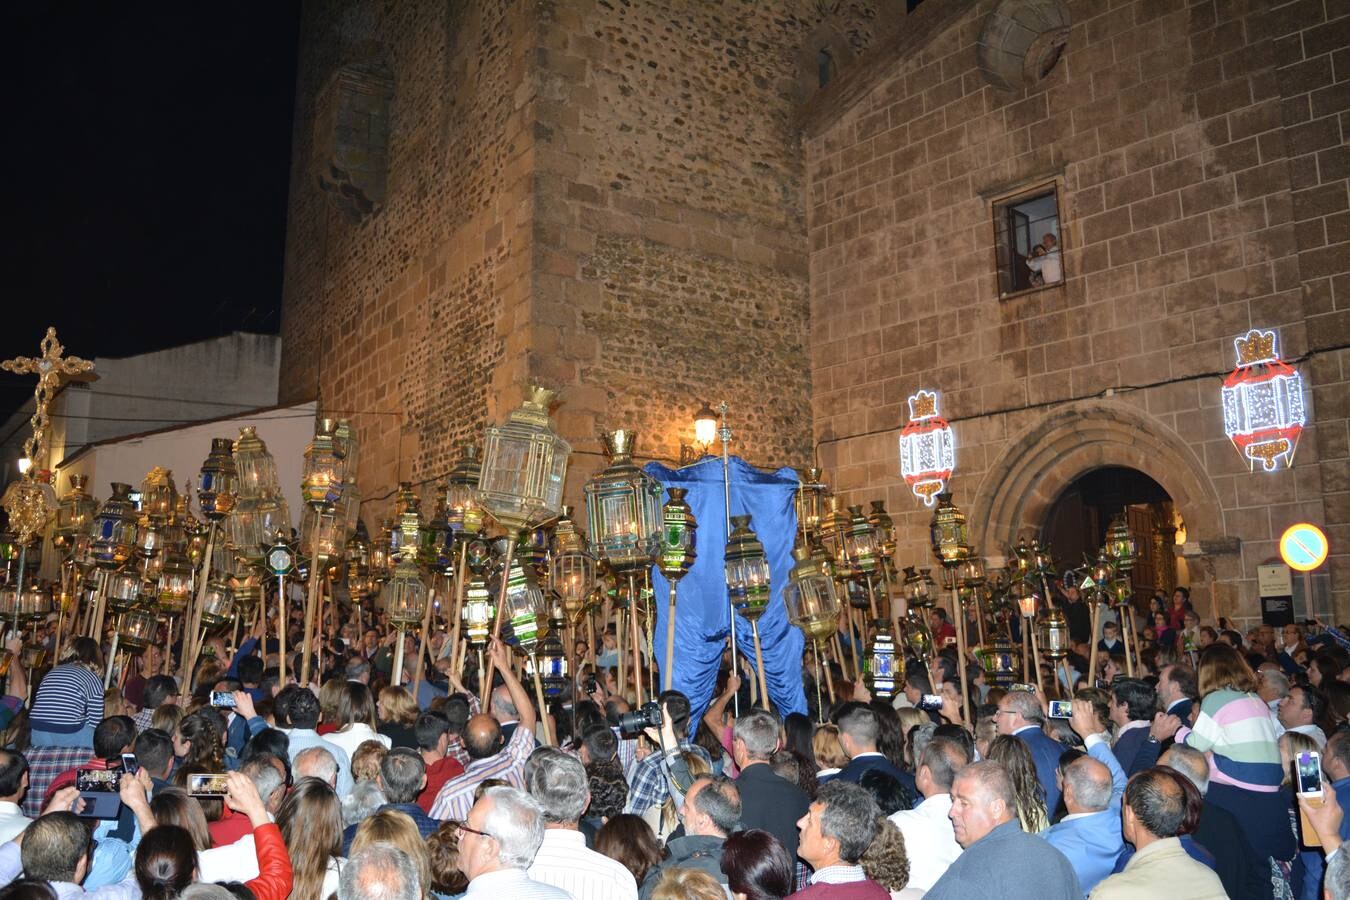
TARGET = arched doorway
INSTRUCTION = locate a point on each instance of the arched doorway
(1076, 524)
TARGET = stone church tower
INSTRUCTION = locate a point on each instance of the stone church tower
(811, 208)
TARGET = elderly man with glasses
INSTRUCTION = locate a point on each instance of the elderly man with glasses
(498, 843)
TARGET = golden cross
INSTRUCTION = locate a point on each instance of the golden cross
(49, 367)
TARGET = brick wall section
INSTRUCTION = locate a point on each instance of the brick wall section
(1312, 58)
(1165, 124)
(415, 316)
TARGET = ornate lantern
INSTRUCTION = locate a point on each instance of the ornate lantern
(113, 529)
(256, 468)
(1120, 544)
(879, 666)
(1263, 412)
(124, 591)
(35, 603)
(138, 629)
(217, 605)
(884, 526)
(951, 536)
(159, 496)
(917, 635)
(811, 601)
(747, 570)
(321, 478)
(927, 448)
(834, 527)
(218, 482)
(479, 609)
(624, 506)
(999, 661)
(348, 449)
(525, 608)
(1103, 571)
(571, 572)
(676, 557)
(524, 466)
(322, 532)
(811, 503)
(860, 545)
(29, 502)
(462, 512)
(255, 524)
(359, 582)
(549, 666)
(406, 595)
(175, 583)
(918, 588)
(74, 512)
(1026, 599)
(1053, 631)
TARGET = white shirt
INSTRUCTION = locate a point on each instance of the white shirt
(930, 842)
(239, 862)
(565, 862)
(356, 734)
(840, 874)
(1049, 265)
(1314, 732)
(12, 821)
(511, 884)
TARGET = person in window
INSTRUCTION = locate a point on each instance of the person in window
(1047, 264)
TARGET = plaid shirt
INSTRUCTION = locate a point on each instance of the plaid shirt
(647, 787)
(44, 765)
(455, 749)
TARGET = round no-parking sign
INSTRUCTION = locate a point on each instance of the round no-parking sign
(1303, 547)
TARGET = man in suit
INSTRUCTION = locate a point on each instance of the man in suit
(1153, 816)
(1000, 860)
(767, 801)
(1132, 706)
(858, 731)
(1090, 834)
(1019, 714)
(1177, 691)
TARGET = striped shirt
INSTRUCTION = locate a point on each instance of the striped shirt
(513, 884)
(69, 699)
(456, 796)
(1235, 729)
(564, 862)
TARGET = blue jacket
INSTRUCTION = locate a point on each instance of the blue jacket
(853, 772)
(1092, 844)
(1127, 749)
(1045, 752)
(1008, 864)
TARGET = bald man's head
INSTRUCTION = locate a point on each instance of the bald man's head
(1087, 786)
(482, 736)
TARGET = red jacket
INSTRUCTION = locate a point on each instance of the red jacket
(438, 773)
(229, 829)
(274, 864)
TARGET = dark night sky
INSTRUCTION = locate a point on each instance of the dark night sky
(145, 173)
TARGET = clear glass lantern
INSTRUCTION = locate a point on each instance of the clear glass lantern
(463, 514)
(348, 448)
(435, 540)
(1053, 631)
(572, 569)
(113, 529)
(217, 604)
(175, 583)
(811, 499)
(383, 553)
(255, 524)
(159, 496)
(218, 481)
(860, 544)
(624, 507)
(833, 528)
(1042, 560)
(256, 467)
(918, 588)
(884, 526)
(525, 607)
(138, 629)
(321, 476)
(917, 635)
(74, 512)
(359, 583)
(747, 570)
(407, 528)
(150, 541)
(705, 426)
(406, 595)
(123, 591)
(35, 603)
(479, 610)
(322, 533)
(1025, 597)
(1103, 571)
(809, 595)
(950, 534)
(1021, 558)
(524, 466)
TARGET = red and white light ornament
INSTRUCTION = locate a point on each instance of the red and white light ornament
(1263, 410)
(927, 448)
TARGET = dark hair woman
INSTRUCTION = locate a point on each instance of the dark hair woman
(757, 866)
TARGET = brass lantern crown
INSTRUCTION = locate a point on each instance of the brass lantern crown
(623, 504)
(524, 466)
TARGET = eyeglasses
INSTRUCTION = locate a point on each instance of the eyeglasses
(477, 832)
(1006, 712)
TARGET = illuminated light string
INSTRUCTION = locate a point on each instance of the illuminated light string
(1262, 399)
(927, 448)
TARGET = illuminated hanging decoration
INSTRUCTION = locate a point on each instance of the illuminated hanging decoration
(927, 448)
(1263, 411)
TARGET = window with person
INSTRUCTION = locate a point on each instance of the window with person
(1027, 235)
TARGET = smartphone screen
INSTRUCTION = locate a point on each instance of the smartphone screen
(1309, 773)
(207, 785)
(104, 781)
(930, 702)
(129, 763)
(1061, 709)
(222, 699)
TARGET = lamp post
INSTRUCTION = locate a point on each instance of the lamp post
(677, 556)
(521, 601)
(521, 480)
(812, 606)
(1102, 574)
(623, 504)
(320, 486)
(1026, 607)
(217, 495)
(748, 587)
(1053, 629)
(951, 546)
(405, 600)
(571, 575)
(113, 541)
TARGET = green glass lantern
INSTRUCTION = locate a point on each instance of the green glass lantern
(113, 529)
(462, 512)
(677, 536)
(525, 608)
(1120, 545)
(950, 534)
(572, 569)
(999, 661)
(747, 570)
(917, 635)
(435, 541)
(1021, 558)
(524, 466)
(623, 504)
(74, 512)
(218, 481)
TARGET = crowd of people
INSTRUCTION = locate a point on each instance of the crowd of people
(1173, 775)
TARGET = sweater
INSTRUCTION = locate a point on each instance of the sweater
(69, 700)
(1236, 730)
(853, 890)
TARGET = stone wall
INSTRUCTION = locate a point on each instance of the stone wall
(1193, 207)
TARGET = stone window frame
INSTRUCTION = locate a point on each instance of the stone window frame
(1027, 191)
